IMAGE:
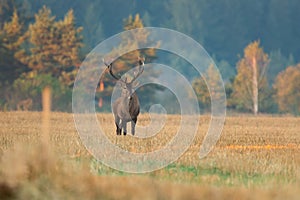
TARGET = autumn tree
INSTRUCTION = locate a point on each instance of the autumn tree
(202, 92)
(201, 88)
(49, 49)
(6, 10)
(10, 68)
(134, 40)
(10, 44)
(124, 62)
(70, 44)
(54, 45)
(210, 77)
(287, 88)
(250, 82)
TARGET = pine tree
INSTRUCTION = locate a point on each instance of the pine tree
(40, 36)
(54, 45)
(11, 39)
(12, 33)
(7, 8)
(135, 40)
(125, 62)
(70, 43)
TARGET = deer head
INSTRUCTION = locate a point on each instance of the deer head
(128, 86)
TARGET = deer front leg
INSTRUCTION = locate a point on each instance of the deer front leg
(133, 123)
(124, 127)
(117, 122)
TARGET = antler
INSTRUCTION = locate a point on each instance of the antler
(136, 75)
(141, 69)
(109, 66)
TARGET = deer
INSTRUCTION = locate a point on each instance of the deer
(25, 104)
(126, 108)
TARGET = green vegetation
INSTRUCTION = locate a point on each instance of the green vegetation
(181, 173)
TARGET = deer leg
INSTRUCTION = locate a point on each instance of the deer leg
(133, 123)
(124, 127)
(117, 122)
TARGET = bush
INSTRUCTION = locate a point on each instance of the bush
(28, 88)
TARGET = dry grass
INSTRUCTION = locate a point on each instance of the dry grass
(255, 158)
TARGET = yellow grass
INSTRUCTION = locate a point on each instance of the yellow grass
(255, 158)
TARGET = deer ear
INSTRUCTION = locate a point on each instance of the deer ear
(141, 61)
(135, 84)
(121, 84)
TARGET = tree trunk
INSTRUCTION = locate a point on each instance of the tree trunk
(255, 86)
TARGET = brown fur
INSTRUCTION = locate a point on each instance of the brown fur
(127, 107)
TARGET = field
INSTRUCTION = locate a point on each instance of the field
(255, 158)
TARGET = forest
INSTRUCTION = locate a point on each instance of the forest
(43, 43)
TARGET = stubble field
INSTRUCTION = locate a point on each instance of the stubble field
(255, 158)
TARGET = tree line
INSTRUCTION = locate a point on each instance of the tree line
(250, 91)
(224, 27)
(48, 51)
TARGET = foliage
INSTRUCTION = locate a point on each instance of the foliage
(46, 36)
(202, 93)
(200, 86)
(54, 46)
(278, 63)
(226, 70)
(10, 44)
(135, 40)
(126, 61)
(287, 88)
(46, 54)
(30, 85)
(6, 10)
(250, 82)
(181, 13)
(222, 27)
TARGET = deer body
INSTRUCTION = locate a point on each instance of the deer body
(127, 107)
(126, 110)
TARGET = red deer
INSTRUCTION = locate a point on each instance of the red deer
(127, 107)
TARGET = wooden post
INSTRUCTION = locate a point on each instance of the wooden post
(46, 102)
